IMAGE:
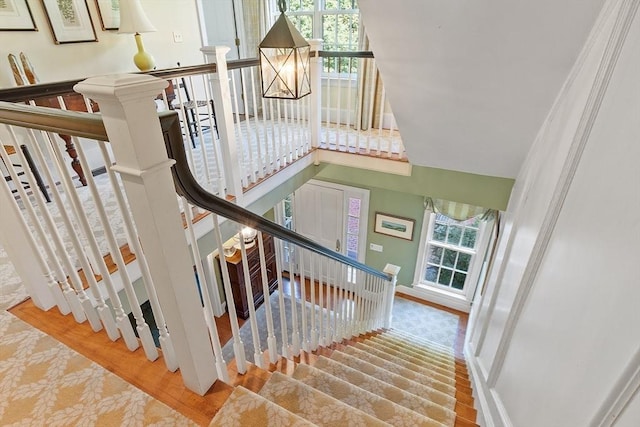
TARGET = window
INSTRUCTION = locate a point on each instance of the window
(451, 246)
(336, 22)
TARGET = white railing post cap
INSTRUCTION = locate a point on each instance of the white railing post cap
(214, 50)
(392, 269)
(124, 87)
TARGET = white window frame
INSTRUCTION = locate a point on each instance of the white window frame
(443, 294)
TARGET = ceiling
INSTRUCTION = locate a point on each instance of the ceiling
(471, 82)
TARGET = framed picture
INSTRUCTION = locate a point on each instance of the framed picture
(70, 21)
(15, 15)
(395, 226)
(109, 11)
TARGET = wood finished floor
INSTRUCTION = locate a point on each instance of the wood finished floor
(154, 378)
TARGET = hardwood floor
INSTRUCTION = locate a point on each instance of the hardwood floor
(153, 377)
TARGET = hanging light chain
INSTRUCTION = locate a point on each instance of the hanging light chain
(282, 5)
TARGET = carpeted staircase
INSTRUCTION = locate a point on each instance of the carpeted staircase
(388, 378)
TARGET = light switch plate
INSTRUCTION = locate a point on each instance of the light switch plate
(374, 247)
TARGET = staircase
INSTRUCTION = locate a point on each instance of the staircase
(387, 378)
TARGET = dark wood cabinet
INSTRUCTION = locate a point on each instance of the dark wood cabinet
(236, 275)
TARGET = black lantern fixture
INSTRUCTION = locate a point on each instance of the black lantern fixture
(284, 60)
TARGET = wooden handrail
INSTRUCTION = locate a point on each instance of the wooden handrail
(187, 186)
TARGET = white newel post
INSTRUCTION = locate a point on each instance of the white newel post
(130, 119)
(221, 92)
(315, 69)
(393, 270)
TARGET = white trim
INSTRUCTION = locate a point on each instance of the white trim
(589, 115)
(457, 302)
(491, 410)
(620, 394)
(365, 162)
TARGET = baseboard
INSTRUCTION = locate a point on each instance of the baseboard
(491, 411)
(441, 298)
(99, 171)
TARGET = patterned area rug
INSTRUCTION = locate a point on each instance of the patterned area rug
(424, 321)
(43, 382)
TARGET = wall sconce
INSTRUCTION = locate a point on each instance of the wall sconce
(284, 60)
(133, 20)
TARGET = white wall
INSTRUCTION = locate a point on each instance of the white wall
(553, 334)
(113, 52)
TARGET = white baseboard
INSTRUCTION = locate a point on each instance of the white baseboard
(434, 296)
(491, 411)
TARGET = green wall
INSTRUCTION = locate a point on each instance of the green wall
(404, 196)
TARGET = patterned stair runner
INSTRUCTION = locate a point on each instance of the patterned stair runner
(392, 378)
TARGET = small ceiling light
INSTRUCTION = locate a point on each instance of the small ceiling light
(284, 60)
(133, 20)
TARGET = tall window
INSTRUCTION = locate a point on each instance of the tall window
(336, 22)
(451, 247)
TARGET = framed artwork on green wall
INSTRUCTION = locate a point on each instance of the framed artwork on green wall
(15, 15)
(395, 226)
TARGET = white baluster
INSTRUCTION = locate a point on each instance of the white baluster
(238, 346)
(295, 334)
(312, 289)
(122, 320)
(321, 329)
(73, 297)
(349, 106)
(271, 338)
(221, 367)
(283, 317)
(258, 359)
(251, 132)
(281, 137)
(315, 110)
(381, 120)
(20, 245)
(224, 114)
(142, 327)
(372, 95)
(339, 111)
(261, 150)
(168, 352)
(303, 298)
(213, 125)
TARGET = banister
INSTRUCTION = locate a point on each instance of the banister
(73, 123)
(187, 186)
(48, 90)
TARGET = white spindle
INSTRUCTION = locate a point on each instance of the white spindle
(213, 123)
(295, 333)
(238, 346)
(260, 142)
(327, 130)
(336, 302)
(372, 97)
(282, 162)
(288, 132)
(142, 327)
(13, 222)
(323, 312)
(271, 337)
(303, 298)
(250, 130)
(168, 352)
(230, 148)
(381, 120)
(314, 308)
(221, 367)
(258, 359)
(269, 139)
(73, 297)
(339, 109)
(122, 320)
(283, 317)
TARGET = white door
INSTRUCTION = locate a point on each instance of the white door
(319, 215)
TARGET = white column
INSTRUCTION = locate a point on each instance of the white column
(131, 121)
(315, 69)
(221, 92)
(390, 292)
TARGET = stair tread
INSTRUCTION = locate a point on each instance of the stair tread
(385, 389)
(313, 405)
(421, 366)
(390, 341)
(370, 403)
(436, 396)
(246, 408)
(414, 339)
